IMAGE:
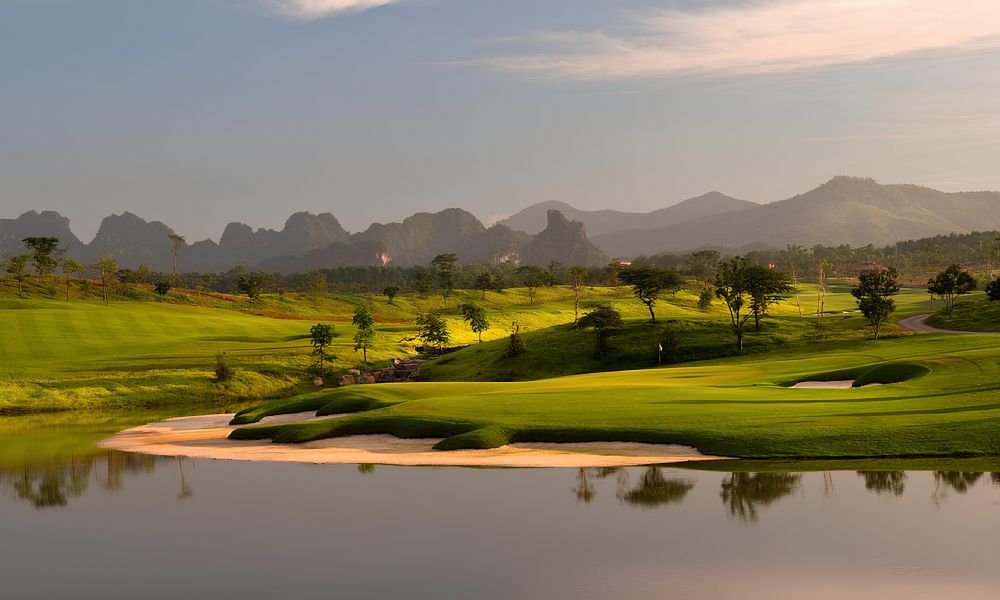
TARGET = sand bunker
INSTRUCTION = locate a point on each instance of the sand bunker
(206, 437)
(842, 384)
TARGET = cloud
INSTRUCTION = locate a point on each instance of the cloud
(309, 10)
(777, 36)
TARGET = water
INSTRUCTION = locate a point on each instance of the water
(112, 525)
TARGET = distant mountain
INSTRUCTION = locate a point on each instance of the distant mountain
(132, 241)
(599, 222)
(423, 236)
(845, 210)
(563, 241)
(35, 224)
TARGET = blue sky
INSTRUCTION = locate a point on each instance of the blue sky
(198, 112)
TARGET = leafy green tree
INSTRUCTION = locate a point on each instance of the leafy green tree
(475, 316)
(702, 265)
(364, 336)
(950, 284)
(874, 296)
(17, 268)
(555, 267)
(391, 292)
(705, 299)
(41, 250)
(252, 284)
(766, 287)
(423, 281)
(732, 286)
(606, 322)
(515, 345)
(144, 274)
(577, 279)
(177, 243)
(71, 267)
(433, 331)
(649, 282)
(531, 277)
(445, 264)
(321, 336)
(611, 271)
(484, 283)
(107, 268)
(162, 288)
(315, 285)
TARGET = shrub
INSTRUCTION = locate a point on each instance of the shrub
(705, 299)
(993, 290)
(516, 344)
(161, 288)
(223, 371)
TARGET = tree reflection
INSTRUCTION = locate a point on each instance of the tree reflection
(366, 468)
(884, 482)
(54, 484)
(655, 490)
(959, 481)
(742, 493)
(996, 478)
(585, 491)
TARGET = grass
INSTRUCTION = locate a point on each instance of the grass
(973, 314)
(736, 407)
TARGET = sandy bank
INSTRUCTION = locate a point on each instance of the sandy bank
(206, 437)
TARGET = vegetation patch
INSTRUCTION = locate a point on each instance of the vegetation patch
(477, 439)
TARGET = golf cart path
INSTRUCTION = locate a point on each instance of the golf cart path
(917, 323)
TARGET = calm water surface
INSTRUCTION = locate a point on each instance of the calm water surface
(115, 525)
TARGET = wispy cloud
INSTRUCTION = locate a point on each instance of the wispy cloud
(775, 36)
(317, 9)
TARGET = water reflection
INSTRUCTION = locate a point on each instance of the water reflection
(959, 481)
(655, 490)
(53, 484)
(884, 482)
(742, 493)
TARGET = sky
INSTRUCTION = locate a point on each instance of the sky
(202, 112)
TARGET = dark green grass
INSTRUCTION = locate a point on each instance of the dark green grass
(482, 438)
(977, 314)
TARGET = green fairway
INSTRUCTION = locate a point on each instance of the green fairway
(737, 407)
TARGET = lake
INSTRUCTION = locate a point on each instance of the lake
(115, 525)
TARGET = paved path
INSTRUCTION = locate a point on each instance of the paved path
(917, 323)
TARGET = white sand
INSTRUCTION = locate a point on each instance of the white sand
(842, 384)
(206, 437)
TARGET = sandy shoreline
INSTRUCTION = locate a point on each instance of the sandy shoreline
(206, 437)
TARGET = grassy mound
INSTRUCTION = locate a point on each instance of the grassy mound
(886, 373)
(305, 402)
(970, 315)
(478, 439)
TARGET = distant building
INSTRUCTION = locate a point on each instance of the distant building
(871, 266)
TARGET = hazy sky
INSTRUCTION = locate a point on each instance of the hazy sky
(199, 112)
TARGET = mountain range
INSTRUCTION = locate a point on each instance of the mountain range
(845, 210)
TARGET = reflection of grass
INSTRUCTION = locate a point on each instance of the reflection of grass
(732, 407)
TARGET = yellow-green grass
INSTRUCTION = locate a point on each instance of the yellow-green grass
(740, 407)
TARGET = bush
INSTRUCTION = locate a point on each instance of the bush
(993, 290)
(477, 439)
(705, 299)
(516, 344)
(161, 288)
(223, 371)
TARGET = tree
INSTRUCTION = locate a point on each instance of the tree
(252, 284)
(445, 264)
(433, 331)
(649, 282)
(532, 277)
(143, 274)
(874, 295)
(993, 290)
(316, 284)
(71, 267)
(177, 242)
(702, 265)
(515, 345)
(766, 287)
(391, 292)
(484, 283)
(162, 288)
(822, 268)
(423, 281)
(554, 267)
(732, 287)
(606, 322)
(611, 271)
(365, 334)
(17, 268)
(950, 284)
(41, 250)
(475, 316)
(321, 336)
(577, 279)
(796, 257)
(107, 268)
